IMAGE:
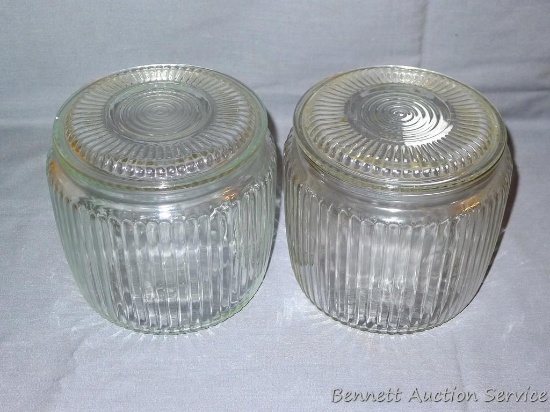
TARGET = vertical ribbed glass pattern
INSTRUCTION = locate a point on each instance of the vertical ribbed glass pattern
(162, 182)
(372, 273)
(166, 272)
(397, 179)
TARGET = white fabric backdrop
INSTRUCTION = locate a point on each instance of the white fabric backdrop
(279, 352)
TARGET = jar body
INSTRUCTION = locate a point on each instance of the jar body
(174, 263)
(390, 264)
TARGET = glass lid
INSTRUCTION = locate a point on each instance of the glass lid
(159, 126)
(399, 128)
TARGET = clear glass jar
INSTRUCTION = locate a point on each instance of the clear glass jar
(162, 180)
(396, 185)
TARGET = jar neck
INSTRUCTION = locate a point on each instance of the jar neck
(145, 195)
(341, 183)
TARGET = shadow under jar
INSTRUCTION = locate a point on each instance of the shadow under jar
(162, 180)
(396, 185)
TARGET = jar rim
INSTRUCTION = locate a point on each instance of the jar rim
(231, 135)
(351, 124)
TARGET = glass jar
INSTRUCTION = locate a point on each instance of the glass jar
(396, 185)
(162, 180)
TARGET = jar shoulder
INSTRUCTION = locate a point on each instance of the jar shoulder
(303, 179)
(234, 186)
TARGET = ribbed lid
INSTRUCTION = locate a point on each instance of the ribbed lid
(399, 128)
(159, 126)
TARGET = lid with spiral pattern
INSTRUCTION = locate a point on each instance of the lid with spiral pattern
(399, 128)
(159, 126)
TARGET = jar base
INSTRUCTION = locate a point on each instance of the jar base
(374, 327)
(144, 326)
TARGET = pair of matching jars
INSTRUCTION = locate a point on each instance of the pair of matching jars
(163, 182)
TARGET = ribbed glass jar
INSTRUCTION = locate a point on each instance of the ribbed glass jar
(162, 181)
(396, 185)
